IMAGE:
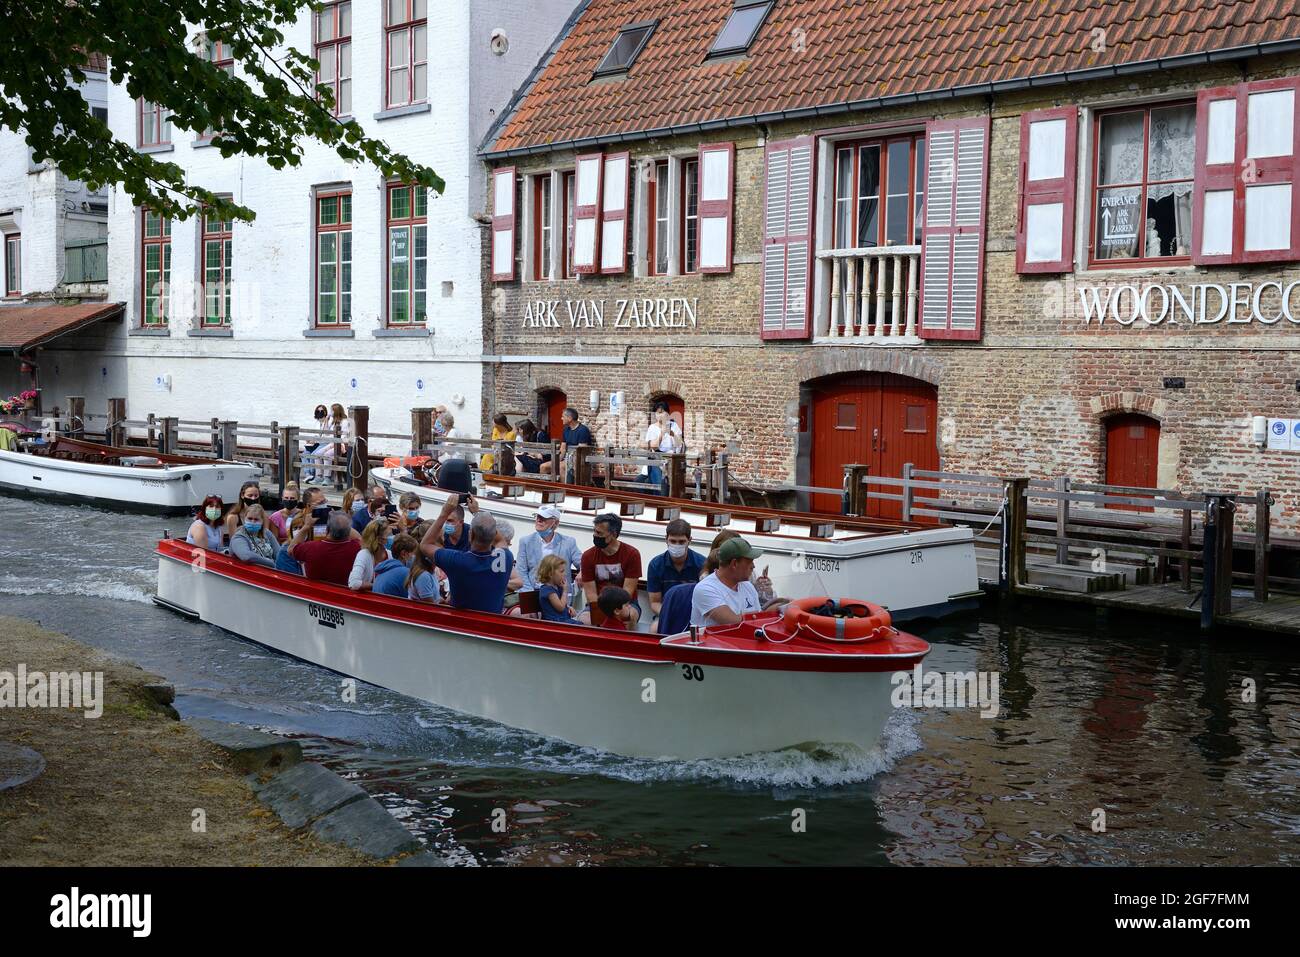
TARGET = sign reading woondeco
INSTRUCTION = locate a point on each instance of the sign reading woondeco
(1203, 304)
(625, 314)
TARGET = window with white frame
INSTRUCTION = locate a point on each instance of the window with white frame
(406, 34)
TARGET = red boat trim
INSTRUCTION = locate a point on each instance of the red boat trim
(640, 647)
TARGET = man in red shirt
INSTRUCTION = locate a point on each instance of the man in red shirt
(329, 559)
(609, 561)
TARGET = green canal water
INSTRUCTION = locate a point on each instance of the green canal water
(1138, 718)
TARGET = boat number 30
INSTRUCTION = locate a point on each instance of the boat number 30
(692, 672)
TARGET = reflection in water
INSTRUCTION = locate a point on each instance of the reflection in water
(1144, 722)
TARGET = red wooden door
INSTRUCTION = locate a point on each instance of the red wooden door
(874, 419)
(1132, 451)
(556, 402)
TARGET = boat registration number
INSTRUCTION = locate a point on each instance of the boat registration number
(151, 483)
(324, 615)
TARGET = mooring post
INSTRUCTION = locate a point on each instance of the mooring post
(1262, 503)
(115, 430)
(909, 493)
(214, 436)
(359, 461)
(676, 474)
(274, 451)
(168, 435)
(724, 458)
(76, 416)
(581, 470)
(421, 430)
(229, 436)
(286, 471)
(1062, 520)
(1223, 584)
(1014, 521)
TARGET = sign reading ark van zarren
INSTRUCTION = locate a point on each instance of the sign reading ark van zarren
(604, 314)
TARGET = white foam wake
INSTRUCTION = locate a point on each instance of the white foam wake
(89, 586)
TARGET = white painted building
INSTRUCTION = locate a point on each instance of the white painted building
(46, 219)
(332, 241)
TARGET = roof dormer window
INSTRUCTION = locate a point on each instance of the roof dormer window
(627, 46)
(741, 27)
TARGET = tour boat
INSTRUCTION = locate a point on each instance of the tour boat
(132, 478)
(915, 570)
(761, 685)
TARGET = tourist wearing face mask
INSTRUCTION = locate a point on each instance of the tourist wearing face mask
(546, 539)
(454, 530)
(390, 574)
(290, 502)
(254, 541)
(609, 561)
(678, 565)
(205, 532)
(250, 493)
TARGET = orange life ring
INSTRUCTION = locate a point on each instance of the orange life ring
(859, 620)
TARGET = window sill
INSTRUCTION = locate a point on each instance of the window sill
(1141, 269)
(883, 342)
(396, 111)
(149, 331)
(396, 332)
(156, 148)
(216, 332)
(318, 332)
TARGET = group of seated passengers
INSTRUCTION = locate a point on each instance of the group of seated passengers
(376, 547)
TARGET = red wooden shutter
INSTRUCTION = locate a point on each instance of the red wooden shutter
(787, 239)
(503, 224)
(717, 170)
(614, 219)
(1048, 152)
(1244, 207)
(586, 213)
(952, 248)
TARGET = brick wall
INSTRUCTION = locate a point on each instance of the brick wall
(1031, 397)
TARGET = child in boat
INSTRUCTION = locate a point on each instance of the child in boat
(619, 610)
(551, 595)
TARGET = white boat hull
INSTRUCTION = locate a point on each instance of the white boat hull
(921, 572)
(628, 706)
(172, 488)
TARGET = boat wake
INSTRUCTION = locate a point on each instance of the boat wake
(90, 586)
(807, 766)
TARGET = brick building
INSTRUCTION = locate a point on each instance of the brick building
(1022, 238)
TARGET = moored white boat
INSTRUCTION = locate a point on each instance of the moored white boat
(630, 693)
(914, 570)
(134, 478)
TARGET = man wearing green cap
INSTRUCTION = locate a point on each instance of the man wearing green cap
(726, 595)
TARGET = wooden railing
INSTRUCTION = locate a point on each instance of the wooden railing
(875, 292)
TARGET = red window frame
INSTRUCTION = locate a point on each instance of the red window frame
(223, 236)
(657, 235)
(543, 226)
(163, 243)
(690, 180)
(415, 17)
(160, 115)
(216, 53)
(566, 223)
(1095, 188)
(338, 41)
(13, 252)
(916, 143)
(342, 224)
(412, 222)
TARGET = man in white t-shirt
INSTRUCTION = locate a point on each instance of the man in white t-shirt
(725, 596)
(663, 435)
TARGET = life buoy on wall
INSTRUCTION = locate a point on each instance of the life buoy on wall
(853, 619)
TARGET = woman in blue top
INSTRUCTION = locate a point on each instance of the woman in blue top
(206, 532)
(551, 577)
(254, 541)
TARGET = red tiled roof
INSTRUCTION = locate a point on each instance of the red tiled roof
(27, 326)
(813, 53)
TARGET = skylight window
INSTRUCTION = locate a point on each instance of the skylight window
(741, 27)
(627, 46)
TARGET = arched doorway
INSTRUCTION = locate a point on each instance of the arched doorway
(551, 404)
(875, 419)
(1132, 453)
(676, 408)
